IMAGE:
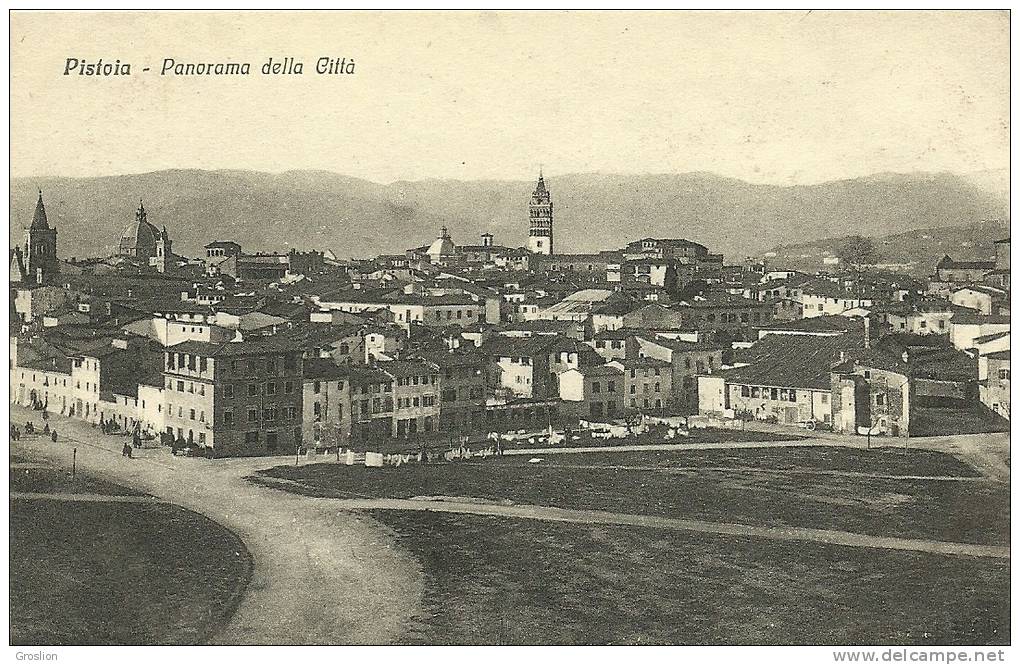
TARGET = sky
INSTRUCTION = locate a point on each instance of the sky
(768, 97)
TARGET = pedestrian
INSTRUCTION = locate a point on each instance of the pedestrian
(136, 440)
(46, 428)
(125, 451)
(53, 434)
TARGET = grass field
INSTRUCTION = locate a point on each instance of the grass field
(505, 581)
(885, 461)
(964, 511)
(117, 573)
(53, 480)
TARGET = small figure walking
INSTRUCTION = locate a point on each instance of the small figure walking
(46, 428)
(53, 434)
(126, 450)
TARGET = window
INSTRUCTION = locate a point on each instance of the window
(880, 399)
(228, 417)
(253, 415)
(1004, 374)
(288, 387)
(191, 414)
(251, 438)
(228, 390)
(745, 391)
(253, 389)
(269, 414)
(180, 386)
(270, 388)
(317, 411)
(825, 398)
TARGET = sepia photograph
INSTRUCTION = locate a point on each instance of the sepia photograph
(510, 328)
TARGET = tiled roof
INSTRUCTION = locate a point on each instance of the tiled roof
(833, 323)
(793, 361)
(990, 338)
(249, 347)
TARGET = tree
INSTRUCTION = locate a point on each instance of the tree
(857, 251)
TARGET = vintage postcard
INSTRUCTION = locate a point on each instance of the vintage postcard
(511, 328)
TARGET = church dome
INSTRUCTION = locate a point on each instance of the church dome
(139, 237)
(443, 247)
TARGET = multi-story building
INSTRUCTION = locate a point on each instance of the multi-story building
(462, 400)
(994, 389)
(593, 392)
(235, 398)
(687, 361)
(326, 404)
(372, 404)
(647, 383)
(416, 390)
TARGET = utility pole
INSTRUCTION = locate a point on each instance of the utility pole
(74, 464)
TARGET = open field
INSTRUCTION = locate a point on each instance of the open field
(493, 580)
(53, 480)
(117, 573)
(971, 511)
(886, 461)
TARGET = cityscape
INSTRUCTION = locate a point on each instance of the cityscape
(447, 374)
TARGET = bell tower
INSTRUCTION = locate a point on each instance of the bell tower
(540, 217)
(40, 258)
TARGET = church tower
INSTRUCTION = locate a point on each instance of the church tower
(41, 263)
(164, 252)
(540, 213)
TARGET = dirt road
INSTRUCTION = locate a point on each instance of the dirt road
(322, 575)
(845, 538)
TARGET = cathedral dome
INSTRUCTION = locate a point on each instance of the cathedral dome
(139, 237)
(442, 248)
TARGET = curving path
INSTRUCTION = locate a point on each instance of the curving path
(830, 537)
(321, 576)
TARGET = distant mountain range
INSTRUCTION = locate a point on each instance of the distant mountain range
(917, 251)
(593, 211)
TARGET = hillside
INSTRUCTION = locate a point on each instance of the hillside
(919, 249)
(353, 217)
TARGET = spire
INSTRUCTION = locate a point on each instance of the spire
(140, 213)
(444, 234)
(39, 218)
(540, 188)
